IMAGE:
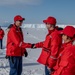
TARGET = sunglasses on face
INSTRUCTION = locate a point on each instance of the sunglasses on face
(47, 23)
(20, 20)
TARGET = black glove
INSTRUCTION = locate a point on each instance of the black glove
(25, 53)
(6, 57)
(33, 46)
(52, 70)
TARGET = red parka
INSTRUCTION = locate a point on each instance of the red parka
(66, 60)
(1, 33)
(15, 44)
(50, 48)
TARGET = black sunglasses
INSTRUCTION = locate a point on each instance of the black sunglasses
(20, 20)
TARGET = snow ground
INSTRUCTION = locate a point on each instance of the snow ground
(30, 64)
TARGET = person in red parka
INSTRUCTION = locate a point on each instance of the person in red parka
(50, 47)
(16, 46)
(1, 37)
(66, 59)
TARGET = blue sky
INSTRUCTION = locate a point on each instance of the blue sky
(36, 10)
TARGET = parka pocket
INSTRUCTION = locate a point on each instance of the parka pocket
(63, 63)
(11, 48)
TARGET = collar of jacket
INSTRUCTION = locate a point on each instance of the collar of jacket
(16, 27)
(50, 31)
(67, 44)
(0, 29)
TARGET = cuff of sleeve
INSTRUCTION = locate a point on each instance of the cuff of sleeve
(51, 62)
(26, 45)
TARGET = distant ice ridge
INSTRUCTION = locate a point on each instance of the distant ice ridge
(41, 25)
(33, 26)
(36, 25)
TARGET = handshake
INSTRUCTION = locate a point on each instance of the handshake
(33, 46)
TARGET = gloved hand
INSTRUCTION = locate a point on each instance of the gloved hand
(10, 57)
(6, 57)
(33, 46)
(25, 53)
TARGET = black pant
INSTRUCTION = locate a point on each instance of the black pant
(15, 63)
(47, 72)
(0, 43)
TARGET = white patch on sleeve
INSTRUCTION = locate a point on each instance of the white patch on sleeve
(20, 44)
